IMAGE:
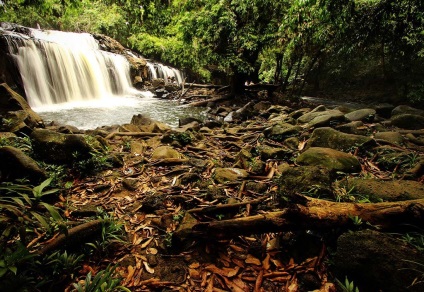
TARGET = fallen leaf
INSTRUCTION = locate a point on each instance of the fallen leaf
(194, 274)
(144, 245)
(237, 248)
(265, 263)
(259, 280)
(152, 250)
(194, 265)
(148, 268)
(252, 260)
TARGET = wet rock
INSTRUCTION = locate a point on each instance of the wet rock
(392, 137)
(365, 115)
(408, 121)
(356, 128)
(404, 109)
(326, 120)
(130, 183)
(300, 112)
(223, 175)
(166, 152)
(60, 148)
(15, 164)
(398, 190)
(138, 82)
(332, 159)
(304, 179)
(188, 120)
(330, 138)
(158, 82)
(267, 152)
(330, 114)
(11, 101)
(67, 129)
(148, 125)
(376, 261)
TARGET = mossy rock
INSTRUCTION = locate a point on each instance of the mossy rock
(330, 138)
(332, 159)
(313, 180)
(282, 131)
(365, 115)
(376, 261)
(408, 121)
(392, 137)
(267, 152)
(397, 190)
(308, 117)
(166, 152)
(223, 175)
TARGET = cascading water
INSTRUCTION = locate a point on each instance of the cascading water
(158, 70)
(69, 80)
(58, 67)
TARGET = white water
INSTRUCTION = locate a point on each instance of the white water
(59, 67)
(158, 70)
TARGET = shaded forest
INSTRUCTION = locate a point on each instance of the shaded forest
(367, 50)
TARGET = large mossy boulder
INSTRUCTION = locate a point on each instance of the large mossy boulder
(329, 138)
(61, 148)
(304, 179)
(229, 174)
(392, 137)
(408, 121)
(15, 164)
(376, 261)
(308, 117)
(375, 190)
(405, 109)
(332, 159)
(15, 112)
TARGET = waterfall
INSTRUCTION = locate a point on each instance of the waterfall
(158, 70)
(59, 67)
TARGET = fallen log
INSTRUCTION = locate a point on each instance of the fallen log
(311, 213)
(206, 85)
(214, 99)
(75, 235)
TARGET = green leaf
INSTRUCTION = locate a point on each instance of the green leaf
(41, 220)
(53, 212)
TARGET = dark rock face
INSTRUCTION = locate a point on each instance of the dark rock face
(378, 262)
(408, 121)
(15, 164)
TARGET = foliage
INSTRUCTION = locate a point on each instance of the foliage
(347, 286)
(104, 280)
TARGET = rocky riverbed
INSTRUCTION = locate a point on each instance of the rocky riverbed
(197, 201)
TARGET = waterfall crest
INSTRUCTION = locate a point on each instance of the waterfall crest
(58, 67)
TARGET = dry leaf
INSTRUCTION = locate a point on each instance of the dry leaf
(152, 250)
(148, 268)
(237, 248)
(265, 263)
(231, 271)
(144, 245)
(131, 271)
(301, 145)
(194, 274)
(194, 265)
(252, 260)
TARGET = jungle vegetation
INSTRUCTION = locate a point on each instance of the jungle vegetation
(373, 47)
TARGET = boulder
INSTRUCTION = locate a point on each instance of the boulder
(384, 110)
(262, 106)
(15, 164)
(365, 115)
(268, 152)
(392, 137)
(158, 82)
(223, 175)
(166, 152)
(398, 190)
(404, 109)
(308, 117)
(332, 159)
(304, 179)
(15, 107)
(408, 121)
(146, 124)
(376, 261)
(329, 138)
(326, 120)
(282, 131)
(356, 128)
(61, 148)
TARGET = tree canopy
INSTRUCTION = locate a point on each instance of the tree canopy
(300, 44)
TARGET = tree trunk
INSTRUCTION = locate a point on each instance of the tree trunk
(314, 214)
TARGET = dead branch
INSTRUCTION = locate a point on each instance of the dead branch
(212, 209)
(205, 102)
(75, 235)
(311, 214)
(134, 134)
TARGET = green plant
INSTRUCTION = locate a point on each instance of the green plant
(104, 281)
(416, 239)
(357, 221)
(347, 286)
(97, 161)
(62, 263)
(23, 143)
(420, 271)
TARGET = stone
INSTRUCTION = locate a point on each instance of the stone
(308, 117)
(396, 190)
(384, 110)
(365, 115)
(408, 121)
(158, 82)
(60, 148)
(166, 152)
(268, 152)
(130, 183)
(11, 101)
(356, 128)
(392, 137)
(292, 143)
(262, 106)
(404, 109)
(329, 138)
(137, 147)
(303, 179)
(326, 120)
(282, 131)
(15, 164)
(376, 261)
(334, 160)
(146, 124)
(223, 175)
